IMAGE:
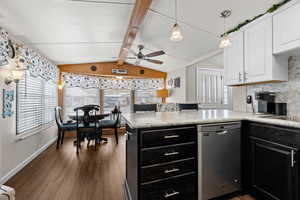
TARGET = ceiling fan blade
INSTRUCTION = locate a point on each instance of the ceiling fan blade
(156, 53)
(155, 61)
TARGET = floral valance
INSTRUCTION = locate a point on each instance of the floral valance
(37, 64)
(30, 59)
(87, 81)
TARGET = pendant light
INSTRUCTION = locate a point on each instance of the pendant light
(176, 34)
(225, 41)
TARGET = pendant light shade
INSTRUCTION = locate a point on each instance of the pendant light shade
(176, 34)
(225, 40)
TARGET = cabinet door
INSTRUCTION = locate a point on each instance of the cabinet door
(234, 60)
(258, 51)
(286, 29)
(273, 172)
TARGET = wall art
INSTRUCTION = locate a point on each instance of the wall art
(8, 99)
(177, 82)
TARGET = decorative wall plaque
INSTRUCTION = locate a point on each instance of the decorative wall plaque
(8, 99)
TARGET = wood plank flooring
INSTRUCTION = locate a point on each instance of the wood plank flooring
(62, 175)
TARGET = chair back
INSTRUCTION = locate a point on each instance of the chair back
(188, 106)
(89, 115)
(116, 115)
(58, 118)
(144, 108)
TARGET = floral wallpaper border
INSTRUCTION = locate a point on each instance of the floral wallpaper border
(29, 58)
(87, 81)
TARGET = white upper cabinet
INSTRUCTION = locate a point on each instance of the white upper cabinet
(234, 60)
(286, 26)
(258, 51)
(250, 59)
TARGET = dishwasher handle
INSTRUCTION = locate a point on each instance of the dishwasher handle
(224, 132)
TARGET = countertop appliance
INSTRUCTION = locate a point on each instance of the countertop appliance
(219, 159)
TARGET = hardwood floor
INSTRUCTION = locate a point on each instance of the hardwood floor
(62, 175)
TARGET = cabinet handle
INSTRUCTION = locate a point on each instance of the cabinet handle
(240, 76)
(171, 136)
(171, 153)
(167, 171)
(167, 195)
(292, 158)
(245, 76)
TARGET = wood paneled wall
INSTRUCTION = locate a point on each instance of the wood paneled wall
(105, 69)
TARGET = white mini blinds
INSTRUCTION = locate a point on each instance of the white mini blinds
(36, 100)
(211, 90)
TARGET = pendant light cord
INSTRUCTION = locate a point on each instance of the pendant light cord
(175, 11)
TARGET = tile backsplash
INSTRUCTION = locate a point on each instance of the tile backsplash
(286, 92)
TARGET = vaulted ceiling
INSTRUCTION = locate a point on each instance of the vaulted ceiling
(69, 31)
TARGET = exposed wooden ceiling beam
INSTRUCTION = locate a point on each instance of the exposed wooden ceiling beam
(139, 12)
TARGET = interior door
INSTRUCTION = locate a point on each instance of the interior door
(234, 60)
(258, 51)
(272, 170)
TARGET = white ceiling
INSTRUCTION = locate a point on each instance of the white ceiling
(74, 32)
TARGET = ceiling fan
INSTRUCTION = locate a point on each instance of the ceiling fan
(147, 57)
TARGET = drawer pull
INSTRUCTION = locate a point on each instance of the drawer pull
(167, 171)
(174, 193)
(171, 153)
(171, 136)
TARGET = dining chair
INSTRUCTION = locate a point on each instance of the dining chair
(112, 123)
(87, 127)
(188, 106)
(62, 127)
(144, 108)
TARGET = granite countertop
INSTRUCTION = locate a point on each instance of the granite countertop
(159, 119)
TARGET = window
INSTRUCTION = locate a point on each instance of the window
(146, 97)
(36, 100)
(112, 98)
(211, 88)
(76, 97)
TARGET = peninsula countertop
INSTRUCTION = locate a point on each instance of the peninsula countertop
(160, 119)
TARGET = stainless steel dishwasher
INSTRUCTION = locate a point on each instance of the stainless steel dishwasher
(219, 157)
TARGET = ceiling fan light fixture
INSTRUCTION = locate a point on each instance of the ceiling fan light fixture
(176, 34)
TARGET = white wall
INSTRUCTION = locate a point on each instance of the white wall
(15, 154)
(177, 95)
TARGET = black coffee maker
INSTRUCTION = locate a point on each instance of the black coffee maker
(267, 104)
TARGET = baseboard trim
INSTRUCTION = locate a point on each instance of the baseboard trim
(19, 167)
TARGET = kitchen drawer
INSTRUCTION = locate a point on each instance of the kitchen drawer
(180, 188)
(167, 154)
(161, 171)
(160, 137)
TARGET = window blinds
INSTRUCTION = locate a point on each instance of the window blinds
(211, 90)
(36, 100)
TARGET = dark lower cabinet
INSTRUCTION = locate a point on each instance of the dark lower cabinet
(273, 168)
(177, 188)
(162, 163)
